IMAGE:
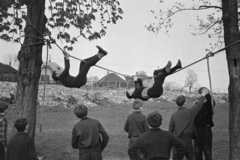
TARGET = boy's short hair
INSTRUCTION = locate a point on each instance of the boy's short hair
(200, 90)
(3, 106)
(137, 104)
(180, 100)
(21, 124)
(54, 76)
(154, 119)
(81, 111)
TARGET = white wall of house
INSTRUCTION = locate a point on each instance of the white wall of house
(48, 75)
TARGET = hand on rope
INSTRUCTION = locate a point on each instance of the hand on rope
(66, 55)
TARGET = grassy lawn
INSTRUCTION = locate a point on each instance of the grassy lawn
(54, 142)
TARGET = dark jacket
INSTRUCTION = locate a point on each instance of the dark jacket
(88, 135)
(182, 121)
(136, 124)
(66, 79)
(156, 143)
(204, 117)
(21, 147)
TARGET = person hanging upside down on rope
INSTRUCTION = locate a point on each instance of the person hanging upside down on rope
(81, 79)
(144, 93)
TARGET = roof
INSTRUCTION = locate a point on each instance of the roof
(7, 69)
(111, 77)
(52, 66)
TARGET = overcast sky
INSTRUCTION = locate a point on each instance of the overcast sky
(132, 47)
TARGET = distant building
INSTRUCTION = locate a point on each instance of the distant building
(111, 80)
(8, 73)
(50, 67)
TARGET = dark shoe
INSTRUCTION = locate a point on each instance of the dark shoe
(101, 50)
(179, 64)
(168, 66)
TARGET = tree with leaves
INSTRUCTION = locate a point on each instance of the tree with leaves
(191, 80)
(221, 22)
(26, 19)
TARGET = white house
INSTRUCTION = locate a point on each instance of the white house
(50, 67)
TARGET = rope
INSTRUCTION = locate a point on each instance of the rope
(210, 81)
(44, 88)
(206, 57)
(94, 65)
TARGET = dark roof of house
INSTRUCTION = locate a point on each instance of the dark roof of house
(111, 77)
(7, 69)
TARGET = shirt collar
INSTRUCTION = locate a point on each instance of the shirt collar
(22, 133)
(84, 118)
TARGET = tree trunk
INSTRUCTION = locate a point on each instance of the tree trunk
(30, 59)
(231, 34)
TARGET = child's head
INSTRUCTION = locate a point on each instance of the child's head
(81, 111)
(180, 100)
(3, 106)
(137, 104)
(21, 124)
(201, 89)
(56, 74)
(154, 119)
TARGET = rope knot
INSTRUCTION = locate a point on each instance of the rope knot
(210, 54)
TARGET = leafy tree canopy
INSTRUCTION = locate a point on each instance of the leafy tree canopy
(64, 14)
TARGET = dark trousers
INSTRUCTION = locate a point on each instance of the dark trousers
(2, 152)
(189, 153)
(91, 156)
(159, 76)
(81, 78)
(139, 152)
(203, 143)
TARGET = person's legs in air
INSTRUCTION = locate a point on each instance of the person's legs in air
(176, 67)
(81, 78)
(159, 76)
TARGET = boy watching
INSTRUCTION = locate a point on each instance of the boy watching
(88, 136)
(3, 130)
(21, 145)
(156, 144)
(136, 123)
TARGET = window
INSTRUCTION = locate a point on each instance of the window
(46, 78)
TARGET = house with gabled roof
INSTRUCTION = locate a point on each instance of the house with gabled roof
(49, 67)
(111, 80)
(8, 73)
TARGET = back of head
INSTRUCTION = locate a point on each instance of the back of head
(154, 119)
(200, 89)
(137, 104)
(81, 111)
(3, 106)
(54, 76)
(180, 100)
(21, 124)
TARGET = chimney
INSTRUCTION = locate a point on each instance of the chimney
(9, 63)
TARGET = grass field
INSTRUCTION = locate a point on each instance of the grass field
(54, 142)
